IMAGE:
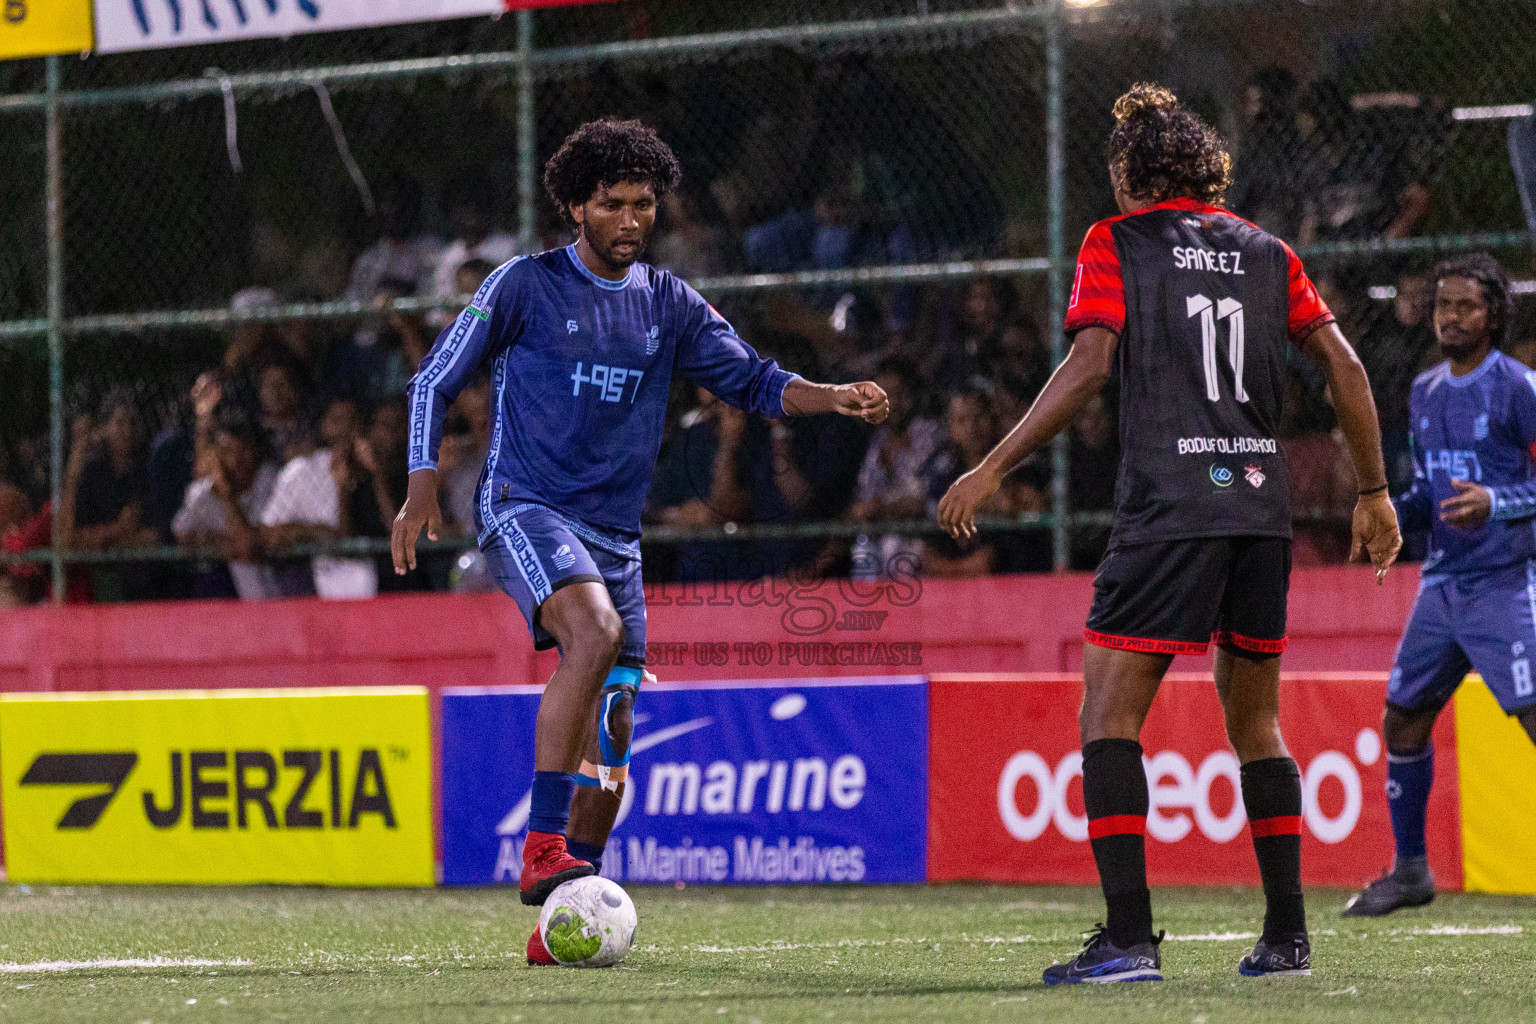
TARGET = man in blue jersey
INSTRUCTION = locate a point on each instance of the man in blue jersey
(583, 343)
(1474, 490)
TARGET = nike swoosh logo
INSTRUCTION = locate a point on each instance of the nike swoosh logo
(517, 818)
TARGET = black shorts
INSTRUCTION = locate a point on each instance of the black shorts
(1181, 596)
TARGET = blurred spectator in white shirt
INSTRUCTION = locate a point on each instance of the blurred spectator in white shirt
(399, 254)
(251, 344)
(316, 499)
(686, 244)
(223, 509)
(474, 239)
(891, 484)
(290, 433)
(471, 275)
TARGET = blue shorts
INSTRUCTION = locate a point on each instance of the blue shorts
(1485, 622)
(533, 551)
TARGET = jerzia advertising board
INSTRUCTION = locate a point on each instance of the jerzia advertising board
(779, 781)
(329, 787)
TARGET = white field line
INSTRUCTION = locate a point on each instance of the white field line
(779, 946)
(1034, 905)
(784, 946)
(111, 964)
(775, 946)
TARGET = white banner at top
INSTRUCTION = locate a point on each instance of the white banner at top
(151, 24)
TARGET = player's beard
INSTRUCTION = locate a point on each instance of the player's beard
(618, 260)
(1460, 346)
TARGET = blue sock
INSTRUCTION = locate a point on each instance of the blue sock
(590, 852)
(552, 792)
(1409, 777)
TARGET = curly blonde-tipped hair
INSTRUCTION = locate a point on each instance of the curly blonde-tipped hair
(1160, 149)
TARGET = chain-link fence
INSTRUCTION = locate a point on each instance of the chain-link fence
(265, 236)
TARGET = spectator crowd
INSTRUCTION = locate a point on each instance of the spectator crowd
(296, 438)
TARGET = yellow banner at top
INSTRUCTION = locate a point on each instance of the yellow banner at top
(35, 28)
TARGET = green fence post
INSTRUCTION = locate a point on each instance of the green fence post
(54, 189)
(527, 173)
(1056, 199)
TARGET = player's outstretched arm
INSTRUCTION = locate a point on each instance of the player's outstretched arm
(1081, 376)
(420, 509)
(864, 400)
(1376, 534)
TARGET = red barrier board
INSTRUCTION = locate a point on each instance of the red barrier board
(1006, 804)
(1340, 620)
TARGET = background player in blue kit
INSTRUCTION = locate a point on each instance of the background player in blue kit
(1474, 490)
(583, 343)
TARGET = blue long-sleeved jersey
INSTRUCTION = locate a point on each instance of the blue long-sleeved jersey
(1482, 428)
(581, 371)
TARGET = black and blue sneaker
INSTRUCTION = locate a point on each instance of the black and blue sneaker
(1102, 962)
(1407, 883)
(1291, 957)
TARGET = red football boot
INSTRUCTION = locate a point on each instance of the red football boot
(538, 956)
(546, 864)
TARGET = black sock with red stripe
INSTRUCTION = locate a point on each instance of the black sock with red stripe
(1272, 793)
(1115, 796)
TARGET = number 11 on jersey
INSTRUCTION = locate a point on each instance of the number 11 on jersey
(1209, 312)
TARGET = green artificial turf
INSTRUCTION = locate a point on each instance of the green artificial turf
(954, 953)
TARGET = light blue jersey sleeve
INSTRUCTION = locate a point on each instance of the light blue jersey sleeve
(489, 324)
(1415, 507)
(711, 353)
(1518, 500)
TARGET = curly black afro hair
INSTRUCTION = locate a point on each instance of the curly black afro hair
(1160, 149)
(1490, 274)
(609, 152)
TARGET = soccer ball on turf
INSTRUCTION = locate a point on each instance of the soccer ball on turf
(588, 922)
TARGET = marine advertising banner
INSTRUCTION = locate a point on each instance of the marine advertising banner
(324, 787)
(777, 781)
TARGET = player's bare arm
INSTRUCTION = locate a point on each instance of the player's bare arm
(1376, 535)
(1081, 375)
(864, 400)
(420, 510)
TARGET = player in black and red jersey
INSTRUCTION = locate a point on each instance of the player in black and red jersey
(1194, 307)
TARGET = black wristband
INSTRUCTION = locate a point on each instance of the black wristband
(1374, 490)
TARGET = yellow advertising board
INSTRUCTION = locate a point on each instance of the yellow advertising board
(1497, 765)
(328, 787)
(33, 28)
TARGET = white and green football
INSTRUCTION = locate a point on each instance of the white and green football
(588, 922)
